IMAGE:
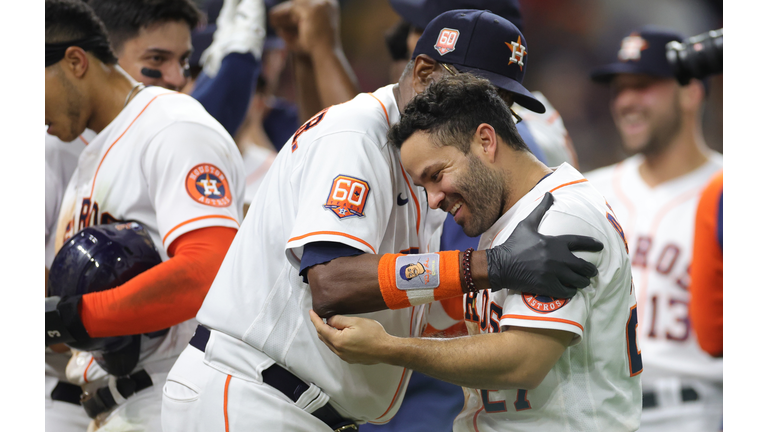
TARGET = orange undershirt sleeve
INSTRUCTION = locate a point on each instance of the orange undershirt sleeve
(165, 295)
(706, 307)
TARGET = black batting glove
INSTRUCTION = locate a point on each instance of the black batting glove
(541, 264)
(62, 321)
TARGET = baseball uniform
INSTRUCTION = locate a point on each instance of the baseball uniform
(167, 164)
(595, 385)
(336, 180)
(256, 162)
(63, 412)
(682, 385)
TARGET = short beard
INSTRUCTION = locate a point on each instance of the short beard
(73, 108)
(661, 137)
(482, 190)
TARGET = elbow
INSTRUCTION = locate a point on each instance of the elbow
(324, 303)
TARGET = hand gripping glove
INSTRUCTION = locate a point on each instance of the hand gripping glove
(240, 27)
(62, 321)
(541, 264)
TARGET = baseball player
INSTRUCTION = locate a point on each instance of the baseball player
(707, 269)
(532, 362)
(158, 159)
(343, 210)
(654, 194)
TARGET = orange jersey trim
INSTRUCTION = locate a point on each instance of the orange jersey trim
(226, 401)
(197, 219)
(534, 318)
(85, 372)
(83, 139)
(333, 233)
(382, 107)
(415, 199)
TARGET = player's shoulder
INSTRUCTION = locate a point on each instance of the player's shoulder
(368, 114)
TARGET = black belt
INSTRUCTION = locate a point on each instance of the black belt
(67, 392)
(102, 400)
(687, 394)
(288, 384)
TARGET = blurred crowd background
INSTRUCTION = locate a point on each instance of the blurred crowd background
(566, 39)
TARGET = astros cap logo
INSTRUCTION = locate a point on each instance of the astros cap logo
(518, 52)
(208, 185)
(543, 304)
(348, 196)
(631, 47)
(446, 41)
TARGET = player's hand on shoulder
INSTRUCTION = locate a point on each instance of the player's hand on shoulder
(355, 340)
(539, 264)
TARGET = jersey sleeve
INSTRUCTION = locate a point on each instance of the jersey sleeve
(520, 309)
(195, 178)
(345, 193)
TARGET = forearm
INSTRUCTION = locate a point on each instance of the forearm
(307, 96)
(338, 82)
(163, 296)
(350, 285)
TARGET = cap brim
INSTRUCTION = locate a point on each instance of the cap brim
(605, 74)
(523, 97)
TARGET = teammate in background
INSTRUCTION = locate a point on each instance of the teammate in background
(530, 360)
(323, 76)
(339, 207)
(159, 159)
(654, 194)
(707, 269)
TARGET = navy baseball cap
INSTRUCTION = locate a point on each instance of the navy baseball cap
(642, 52)
(483, 44)
(420, 12)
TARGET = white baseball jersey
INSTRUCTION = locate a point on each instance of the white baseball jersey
(595, 385)
(658, 224)
(166, 163)
(336, 180)
(256, 162)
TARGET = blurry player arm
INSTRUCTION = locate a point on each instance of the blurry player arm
(310, 29)
(706, 308)
(163, 296)
(515, 358)
(232, 62)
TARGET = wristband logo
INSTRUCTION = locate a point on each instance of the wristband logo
(347, 197)
(208, 185)
(418, 271)
(543, 304)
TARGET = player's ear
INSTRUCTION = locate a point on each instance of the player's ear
(692, 96)
(75, 61)
(486, 142)
(423, 72)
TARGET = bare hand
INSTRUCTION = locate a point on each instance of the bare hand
(308, 27)
(355, 340)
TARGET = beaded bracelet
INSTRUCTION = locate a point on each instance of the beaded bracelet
(467, 271)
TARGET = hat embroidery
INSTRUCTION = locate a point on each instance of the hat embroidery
(518, 52)
(446, 42)
(631, 47)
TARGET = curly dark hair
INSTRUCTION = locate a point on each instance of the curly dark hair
(451, 109)
(125, 18)
(73, 20)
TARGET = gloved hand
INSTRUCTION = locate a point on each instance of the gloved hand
(541, 264)
(240, 27)
(62, 321)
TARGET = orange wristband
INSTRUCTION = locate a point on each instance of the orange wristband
(411, 280)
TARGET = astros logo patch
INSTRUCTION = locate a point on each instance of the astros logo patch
(518, 52)
(446, 42)
(348, 196)
(543, 304)
(208, 185)
(631, 46)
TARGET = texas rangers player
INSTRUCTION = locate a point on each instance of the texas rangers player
(335, 191)
(158, 158)
(654, 194)
(534, 363)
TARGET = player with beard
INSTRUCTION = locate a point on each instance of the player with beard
(655, 193)
(532, 363)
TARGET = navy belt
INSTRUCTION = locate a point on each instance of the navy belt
(67, 392)
(687, 394)
(288, 384)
